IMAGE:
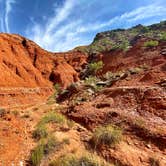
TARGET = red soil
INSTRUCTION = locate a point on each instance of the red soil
(23, 64)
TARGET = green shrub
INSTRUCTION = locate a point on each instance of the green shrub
(135, 70)
(95, 67)
(37, 155)
(151, 43)
(40, 132)
(85, 160)
(124, 45)
(57, 89)
(91, 80)
(53, 117)
(52, 143)
(163, 36)
(44, 148)
(107, 135)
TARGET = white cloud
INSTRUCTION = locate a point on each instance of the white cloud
(62, 14)
(55, 37)
(133, 16)
(8, 9)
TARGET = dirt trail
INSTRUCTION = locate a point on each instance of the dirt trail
(23, 97)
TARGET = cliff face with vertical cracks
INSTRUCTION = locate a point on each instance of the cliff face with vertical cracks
(25, 69)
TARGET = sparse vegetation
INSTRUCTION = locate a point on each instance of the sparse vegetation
(135, 70)
(124, 45)
(124, 38)
(85, 160)
(106, 135)
(52, 117)
(94, 67)
(40, 132)
(151, 43)
(37, 155)
(163, 36)
(52, 144)
(44, 148)
(91, 82)
(57, 89)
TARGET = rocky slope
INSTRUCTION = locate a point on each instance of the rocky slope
(134, 101)
(124, 38)
(24, 65)
(127, 93)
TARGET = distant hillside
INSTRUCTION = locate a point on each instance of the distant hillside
(124, 38)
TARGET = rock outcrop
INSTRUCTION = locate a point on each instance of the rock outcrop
(23, 64)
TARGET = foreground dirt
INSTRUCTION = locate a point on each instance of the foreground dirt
(144, 135)
(144, 125)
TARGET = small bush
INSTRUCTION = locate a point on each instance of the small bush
(154, 161)
(108, 135)
(52, 143)
(40, 132)
(91, 80)
(53, 118)
(135, 70)
(151, 43)
(86, 160)
(163, 36)
(44, 148)
(124, 45)
(95, 67)
(57, 89)
(37, 155)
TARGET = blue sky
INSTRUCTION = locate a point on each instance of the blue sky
(60, 25)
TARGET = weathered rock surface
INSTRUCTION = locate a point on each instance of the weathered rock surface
(23, 64)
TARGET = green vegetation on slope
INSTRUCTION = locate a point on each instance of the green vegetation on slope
(124, 38)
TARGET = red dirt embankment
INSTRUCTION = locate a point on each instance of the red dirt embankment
(23, 64)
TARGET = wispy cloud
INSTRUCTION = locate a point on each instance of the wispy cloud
(130, 17)
(46, 36)
(60, 34)
(8, 9)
